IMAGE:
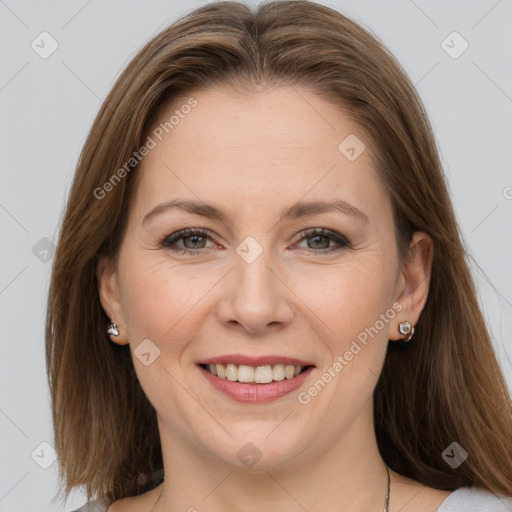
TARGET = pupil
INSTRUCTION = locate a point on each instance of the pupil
(195, 238)
(319, 237)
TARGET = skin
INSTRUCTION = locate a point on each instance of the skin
(255, 154)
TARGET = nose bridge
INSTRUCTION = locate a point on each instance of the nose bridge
(254, 278)
(255, 297)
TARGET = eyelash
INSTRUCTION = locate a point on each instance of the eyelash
(170, 241)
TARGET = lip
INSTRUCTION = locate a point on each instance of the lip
(256, 393)
(239, 359)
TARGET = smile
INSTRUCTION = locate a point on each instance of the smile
(254, 374)
(255, 380)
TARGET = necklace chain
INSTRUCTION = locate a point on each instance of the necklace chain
(388, 494)
(159, 496)
(386, 499)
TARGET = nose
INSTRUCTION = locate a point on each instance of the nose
(255, 298)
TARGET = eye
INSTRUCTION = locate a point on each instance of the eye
(319, 240)
(194, 241)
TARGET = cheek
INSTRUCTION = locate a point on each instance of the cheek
(158, 305)
(346, 299)
(146, 297)
(162, 303)
(349, 301)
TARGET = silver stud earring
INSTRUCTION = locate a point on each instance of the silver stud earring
(113, 329)
(407, 329)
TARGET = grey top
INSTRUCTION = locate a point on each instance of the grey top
(465, 499)
(93, 506)
(474, 499)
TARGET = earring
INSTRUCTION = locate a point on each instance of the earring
(113, 329)
(407, 329)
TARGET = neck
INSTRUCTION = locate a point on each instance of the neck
(348, 475)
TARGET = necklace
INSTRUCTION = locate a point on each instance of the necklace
(386, 499)
(388, 494)
(159, 496)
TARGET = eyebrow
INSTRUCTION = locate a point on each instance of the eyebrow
(297, 210)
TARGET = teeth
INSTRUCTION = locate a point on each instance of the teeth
(279, 372)
(259, 375)
(263, 374)
(245, 373)
(221, 371)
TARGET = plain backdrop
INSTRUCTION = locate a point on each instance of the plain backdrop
(48, 105)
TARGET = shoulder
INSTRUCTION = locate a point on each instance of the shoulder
(129, 504)
(94, 506)
(475, 499)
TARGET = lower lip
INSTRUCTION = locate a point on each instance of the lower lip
(256, 393)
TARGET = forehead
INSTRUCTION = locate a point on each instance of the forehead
(257, 150)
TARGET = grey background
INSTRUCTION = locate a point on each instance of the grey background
(48, 105)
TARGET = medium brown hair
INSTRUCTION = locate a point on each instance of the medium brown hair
(446, 387)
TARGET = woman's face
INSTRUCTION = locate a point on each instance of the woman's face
(258, 281)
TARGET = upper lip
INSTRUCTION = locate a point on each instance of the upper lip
(239, 359)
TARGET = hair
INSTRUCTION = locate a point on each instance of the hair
(447, 387)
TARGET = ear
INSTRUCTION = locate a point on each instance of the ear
(108, 291)
(413, 282)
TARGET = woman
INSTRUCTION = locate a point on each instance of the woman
(260, 225)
